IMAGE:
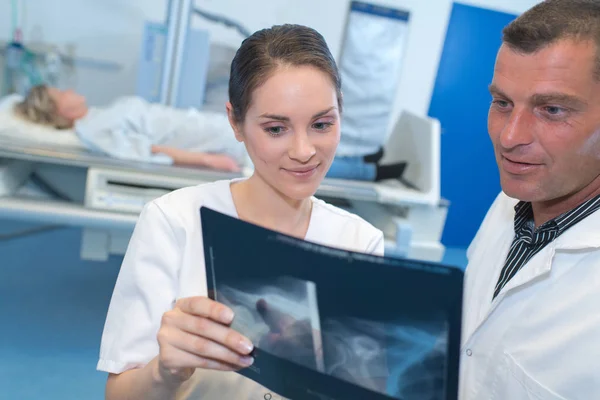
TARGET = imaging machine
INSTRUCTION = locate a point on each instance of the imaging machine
(104, 196)
(49, 177)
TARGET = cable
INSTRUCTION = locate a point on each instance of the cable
(46, 187)
(223, 20)
(14, 18)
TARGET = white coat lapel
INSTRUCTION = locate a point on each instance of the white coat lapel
(540, 264)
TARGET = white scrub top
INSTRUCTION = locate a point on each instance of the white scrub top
(129, 127)
(165, 262)
(540, 338)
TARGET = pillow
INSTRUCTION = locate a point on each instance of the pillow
(14, 127)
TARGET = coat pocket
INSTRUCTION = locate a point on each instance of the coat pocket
(524, 386)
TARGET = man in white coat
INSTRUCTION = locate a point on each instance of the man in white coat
(531, 327)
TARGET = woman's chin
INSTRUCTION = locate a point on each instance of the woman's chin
(301, 191)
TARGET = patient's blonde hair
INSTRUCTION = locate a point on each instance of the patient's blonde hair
(39, 107)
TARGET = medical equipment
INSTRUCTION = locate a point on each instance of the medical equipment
(13, 174)
(370, 77)
(29, 64)
(191, 84)
(21, 69)
(104, 195)
(174, 61)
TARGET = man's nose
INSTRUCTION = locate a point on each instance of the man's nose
(518, 129)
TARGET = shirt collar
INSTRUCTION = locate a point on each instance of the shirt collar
(524, 224)
(525, 227)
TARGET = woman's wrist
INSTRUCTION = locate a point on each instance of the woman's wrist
(169, 378)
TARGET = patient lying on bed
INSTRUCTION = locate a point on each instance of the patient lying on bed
(133, 129)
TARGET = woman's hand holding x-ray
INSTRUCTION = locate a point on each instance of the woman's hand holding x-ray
(196, 333)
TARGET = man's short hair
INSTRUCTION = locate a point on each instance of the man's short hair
(554, 20)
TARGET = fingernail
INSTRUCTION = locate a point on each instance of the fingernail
(227, 315)
(247, 361)
(245, 346)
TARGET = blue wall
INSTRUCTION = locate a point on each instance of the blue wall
(460, 101)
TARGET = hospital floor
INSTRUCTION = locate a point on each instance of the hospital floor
(52, 309)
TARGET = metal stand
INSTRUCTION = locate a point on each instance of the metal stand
(178, 21)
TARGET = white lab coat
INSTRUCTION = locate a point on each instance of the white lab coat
(165, 262)
(540, 338)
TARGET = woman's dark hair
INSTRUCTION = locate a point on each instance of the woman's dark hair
(267, 49)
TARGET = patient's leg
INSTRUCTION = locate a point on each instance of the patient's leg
(357, 168)
(354, 168)
(208, 160)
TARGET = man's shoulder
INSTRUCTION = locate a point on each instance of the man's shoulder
(499, 214)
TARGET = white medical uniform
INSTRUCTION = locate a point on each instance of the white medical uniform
(129, 127)
(165, 262)
(540, 338)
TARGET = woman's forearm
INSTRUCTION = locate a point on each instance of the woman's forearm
(144, 383)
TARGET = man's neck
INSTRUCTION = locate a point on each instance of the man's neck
(547, 210)
(259, 203)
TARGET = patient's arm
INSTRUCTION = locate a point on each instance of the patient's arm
(209, 160)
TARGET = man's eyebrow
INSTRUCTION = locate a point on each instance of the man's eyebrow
(546, 98)
(557, 97)
(495, 90)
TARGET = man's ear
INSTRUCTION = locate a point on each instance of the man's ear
(232, 121)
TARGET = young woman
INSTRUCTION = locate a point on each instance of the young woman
(131, 128)
(163, 337)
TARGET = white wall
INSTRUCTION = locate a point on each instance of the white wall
(111, 30)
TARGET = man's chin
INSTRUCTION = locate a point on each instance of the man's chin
(520, 193)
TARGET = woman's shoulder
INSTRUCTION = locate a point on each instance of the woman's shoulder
(181, 204)
(337, 224)
(339, 213)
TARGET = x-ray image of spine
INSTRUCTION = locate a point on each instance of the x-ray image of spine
(403, 360)
(280, 317)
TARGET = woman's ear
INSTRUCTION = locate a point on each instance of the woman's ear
(234, 124)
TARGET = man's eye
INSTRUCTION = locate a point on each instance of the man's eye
(500, 103)
(554, 110)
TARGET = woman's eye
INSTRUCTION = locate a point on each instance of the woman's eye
(320, 126)
(274, 130)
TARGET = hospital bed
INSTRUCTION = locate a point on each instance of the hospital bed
(61, 183)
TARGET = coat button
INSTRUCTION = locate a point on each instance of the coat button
(469, 352)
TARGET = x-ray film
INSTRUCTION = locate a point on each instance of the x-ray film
(334, 324)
